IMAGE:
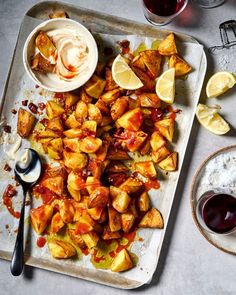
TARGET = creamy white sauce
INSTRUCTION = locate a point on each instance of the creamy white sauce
(23, 161)
(72, 54)
(12, 143)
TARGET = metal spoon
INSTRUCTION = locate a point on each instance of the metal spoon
(28, 169)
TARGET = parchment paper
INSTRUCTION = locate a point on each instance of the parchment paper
(20, 87)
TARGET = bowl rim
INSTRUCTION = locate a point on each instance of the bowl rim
(40, 27)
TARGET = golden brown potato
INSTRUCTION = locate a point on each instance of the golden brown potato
(146, 168)
(45, 142)
(60, 249)
(75, 181)
(81, 111)
(76, 238)
(25, 123)
(169, 163)
(94, 113)
(41, 64)
(45, 45)
(40, 217)
(148, 83)
(92, 183)
(66, 211)
(72, 122)
(145, 148)
(90, 144)
(89, 126)
(72, 143)
(91, 239)
(168, 46)
(56, 223)
(99, 197)
(135, 140)
(160, 154)
(117, 154)
(131, 185)
(114, 219)
(166, 128)
(54, 184)
(53, 109)
(119, 107)
(157, 141)
(55, 124)
(180, 65)
(152, 61)
(152, 219)
(75, 161)
(109, 235)
(127, 221)
(138, 62)
(47, 134)
(85, 97)
(73, 132)
(116, 167)
(149, 100)
(84, 224)
(144, 202)
(131, 120)
(94, 87)
(74, 193)
(102, 107)
(120, 199)
(110, 83)
(121, 262)
(95, 213)
(110, 96)
(55, 148)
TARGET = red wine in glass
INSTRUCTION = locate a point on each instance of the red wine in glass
(217, 212)
(161, 12)
(164, 7)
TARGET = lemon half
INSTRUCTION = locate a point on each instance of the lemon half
(209, 118)
(165, 86)
(219, 83)
(123, 75)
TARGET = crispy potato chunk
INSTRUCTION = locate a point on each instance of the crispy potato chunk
(45, 45)
(149, 100)
(74, 193)
(47, 134)
(72, 143)
(119, 107)
(90, 144)
(169, 163)
(92, 183)
(53, 109)
(95, 212)
(110, 96)
(91, 239)
(110, 83)
(76, 238)
(75, 161)
(55, 124)
(81, 111)
(90, 126)
(127, 221)
(72, 122)
(60, 249)
(168, 46)
(99, 197)
(157, 141)
(94, 87)
(75, 181)
(66, 211)
(166, 128)
(117, 154)
(152, 61)
(109, 235)
(57, 223)
(114, 219)
(131, 185)
(144, 202)
(120, 199)
(152, 219)
(85, 224)
(40, 217)
(73, 132)
(54, 184)
(121, 262)
(146, 168)
(131, 120)
(41, 64)
(180, 65)
(70, 99)
(138, 62)
(25, 123)
(160, 154)
(94, 113)
(148, 83)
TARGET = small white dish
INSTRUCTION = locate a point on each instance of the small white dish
(52, 82)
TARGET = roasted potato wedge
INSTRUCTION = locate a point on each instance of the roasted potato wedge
(91, 239)
(110, 96)
(166, 128)
(180, 65)
(90, 144)
(61, 249)
(57, 223)
(99, 197)
(76, 238)
(53, 109)
(70, 99)
(40, 217)
(119, 107)
(157, 141)
(85, 224)
(94, 87)
(149, 100)
(110, 83)
(152, 60)
(25, 123)
(131, 185)
(109, 235)
(72, 144)
(55, 124)
(45, 45)
(160, 154)
(131, 120)
(75, 181)
(169, 163)
(72, 122)
(81, 111)
(92, 183)
(114, 219)
(75, 161)
(144, 202)
(120, 199)
(54, 184)
(168, 46)
(121, 262)
(152, 219)
(66, 211)
(146, 168)
(73, 133)
(127, 221)
(41, 64)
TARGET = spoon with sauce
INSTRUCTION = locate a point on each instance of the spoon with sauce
(28, 169)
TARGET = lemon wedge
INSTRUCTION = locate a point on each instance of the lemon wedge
(165, 86)
(123, 75)
(219, 83)
(209, 118)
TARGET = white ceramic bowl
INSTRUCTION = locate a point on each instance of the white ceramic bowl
(45, 80)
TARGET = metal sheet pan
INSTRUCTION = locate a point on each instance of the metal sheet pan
(103, 23)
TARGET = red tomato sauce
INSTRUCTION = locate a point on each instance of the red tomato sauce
(8, 194)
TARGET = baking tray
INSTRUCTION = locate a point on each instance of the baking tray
(103, 23)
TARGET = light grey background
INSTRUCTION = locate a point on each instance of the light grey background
(189, 264)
